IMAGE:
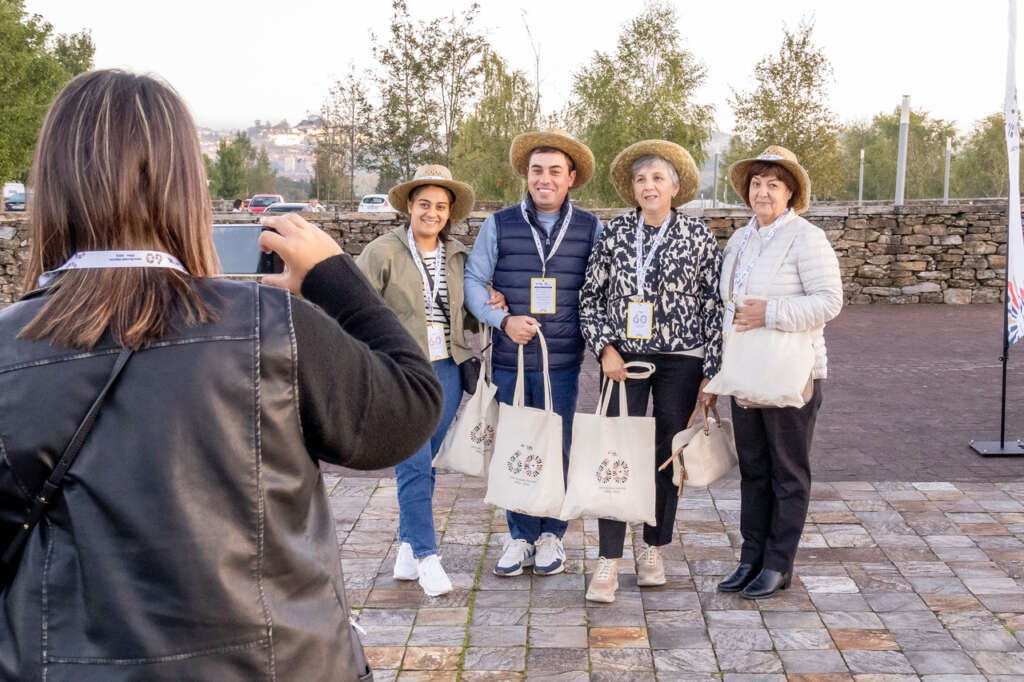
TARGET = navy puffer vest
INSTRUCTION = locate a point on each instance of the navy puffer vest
(518, 261)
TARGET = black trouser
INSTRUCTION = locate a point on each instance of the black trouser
(774, 446)
(675, 383)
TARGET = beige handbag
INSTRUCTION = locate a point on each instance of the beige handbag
(611, 465)
(469, 443)
(704, 453)
(766, 367)
(525, 473)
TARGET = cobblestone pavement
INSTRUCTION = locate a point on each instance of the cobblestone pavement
(894, 581)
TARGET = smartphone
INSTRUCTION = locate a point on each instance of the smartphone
(239, 251)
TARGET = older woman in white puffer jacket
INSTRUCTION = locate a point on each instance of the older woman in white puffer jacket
(773, 443)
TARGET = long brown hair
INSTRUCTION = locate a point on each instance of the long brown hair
(118, 167)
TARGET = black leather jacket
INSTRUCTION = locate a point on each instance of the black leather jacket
(192, 539)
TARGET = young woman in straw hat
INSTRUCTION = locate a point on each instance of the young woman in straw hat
(773, 443)
(655, 261)
(418, 269)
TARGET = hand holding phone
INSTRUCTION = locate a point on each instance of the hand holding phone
(299, 243)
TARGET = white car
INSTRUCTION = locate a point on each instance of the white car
(374, 203)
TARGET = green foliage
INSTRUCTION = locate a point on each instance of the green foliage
(643, 89)
(34, 65)
(455, 64)
(240, 170)
(507, 107)
(342, 146)
(789, 107)
(406, 133)
(293, 190)
(980, 167)
(926, 156)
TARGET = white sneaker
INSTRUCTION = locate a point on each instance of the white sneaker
(650, 569)
(433, 579)
(550, 555)
(515, 555)
(406, 566)
(604, 582)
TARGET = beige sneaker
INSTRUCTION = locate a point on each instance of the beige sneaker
(650, 569)
(605, 581)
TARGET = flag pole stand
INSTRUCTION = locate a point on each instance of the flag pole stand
(1002, 448)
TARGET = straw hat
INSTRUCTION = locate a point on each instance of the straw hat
(439, 176)
(786, 159)
(524, 144)
(680, 159)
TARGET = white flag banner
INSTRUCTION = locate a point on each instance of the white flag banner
(1015, 237)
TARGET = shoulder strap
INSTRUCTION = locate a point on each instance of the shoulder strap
(52, 484)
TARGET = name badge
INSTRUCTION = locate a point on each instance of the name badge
(542, 295)
(435, 342)
(640, 324)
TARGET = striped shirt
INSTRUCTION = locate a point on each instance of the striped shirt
(439, 316)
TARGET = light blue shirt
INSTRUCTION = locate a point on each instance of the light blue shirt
(482, 261)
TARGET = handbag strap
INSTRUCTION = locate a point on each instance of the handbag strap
(519, 392)
(53, 483)
(635, 369)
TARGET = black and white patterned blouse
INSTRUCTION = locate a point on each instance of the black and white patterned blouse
(682, 283)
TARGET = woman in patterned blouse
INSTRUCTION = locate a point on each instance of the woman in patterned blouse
(651, 294)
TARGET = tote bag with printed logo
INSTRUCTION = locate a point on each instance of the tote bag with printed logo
(525, 474)
(611, 467)
(469, 443)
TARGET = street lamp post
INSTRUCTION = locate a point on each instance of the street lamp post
(860, 182)
(901, 157)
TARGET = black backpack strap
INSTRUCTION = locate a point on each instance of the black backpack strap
(52, 484)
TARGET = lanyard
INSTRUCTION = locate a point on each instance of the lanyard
(430, 285)
(739, 278)
(536, 240)
(115, 259)
(643, 264)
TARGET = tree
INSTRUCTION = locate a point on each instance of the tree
(789, 107)
(406, 131)
(34, 65)
(980, 167)
(456, 65)
(342, 146)
(926, 154)
(644, 89)
(227, 174)
(260, 178)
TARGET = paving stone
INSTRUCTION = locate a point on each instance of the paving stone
(495, 658)
(742, 639)
(803, 638)
(792, 619)
(497, 635)
(866, 620)
(819, 661)
(986, 640)
(618, 637)
(384, 657)
(1000, 662)
(923, 640)
(673, 637)
(545, 660)
(761, 662)
(431, 658)
(567, 637)
(940, 662)
(621, 659)
(434, 635)
(886, 662)
(499, 616)
(872, 640)
(685, 660)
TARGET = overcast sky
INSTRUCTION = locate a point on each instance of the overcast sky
(263, 59)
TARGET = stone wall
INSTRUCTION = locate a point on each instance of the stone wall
(920, 253)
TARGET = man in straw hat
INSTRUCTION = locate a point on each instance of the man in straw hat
(535, 253)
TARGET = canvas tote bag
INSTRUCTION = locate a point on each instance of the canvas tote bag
(525, 474)
(704, 453)
(765, 367)
(469, 443)
(611, 465)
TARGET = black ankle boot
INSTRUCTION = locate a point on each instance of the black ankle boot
(765, 584)
(739, 579)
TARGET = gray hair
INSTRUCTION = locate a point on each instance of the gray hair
(649, 160)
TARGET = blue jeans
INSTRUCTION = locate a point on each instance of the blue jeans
(416, 474)
(565, 388)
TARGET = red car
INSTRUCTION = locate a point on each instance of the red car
(259, 202)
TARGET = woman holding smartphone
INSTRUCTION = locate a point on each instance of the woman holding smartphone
(191, 538)
(418, 269)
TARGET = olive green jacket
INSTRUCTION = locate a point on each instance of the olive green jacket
(388, 264)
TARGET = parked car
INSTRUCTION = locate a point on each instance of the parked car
(13, 188)
(15, 202)
(259, 202)
(284, 207)
(372, 203)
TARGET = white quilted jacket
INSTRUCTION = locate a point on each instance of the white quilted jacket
(806, 293)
